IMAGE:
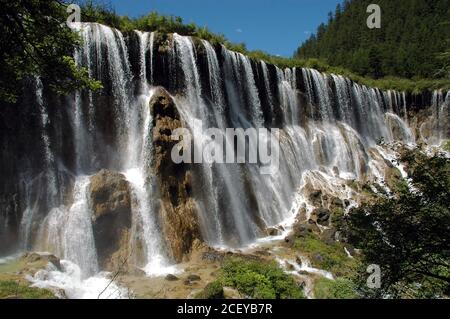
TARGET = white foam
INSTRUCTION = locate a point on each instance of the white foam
(158, 267)
(306, 267)
(70, 281)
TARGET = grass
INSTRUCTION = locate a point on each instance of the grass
(340, 288)
(16, 289)
(14, 286)
(257, 279)
(12, 266)
(329, 257)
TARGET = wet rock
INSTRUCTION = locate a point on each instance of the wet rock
(171, 277)
(111, 220)
(176, 206)
(336, 202)
(187, 282)
(304, 229)
(321, 216)
(212, 256)
(298, 260)
(289, 266)
(273, 231)
(44, 259)
(110, 194)
(336, 171)
(328, 236)
(316, 197)
(194, 278)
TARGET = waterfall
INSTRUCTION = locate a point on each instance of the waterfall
(48, 155)
(214, 76)
(79, 245)
(51, 187)
(67, 231)
(267, 85)
(146, 41)
(328, 125)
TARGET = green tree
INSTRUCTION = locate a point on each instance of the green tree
(411, 36)
(36, 42)
(445, 56)
(407, 232)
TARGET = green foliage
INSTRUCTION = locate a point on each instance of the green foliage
(340, 288)
(37, 42)
(407, 232)
(18, 290)
(446, 146)
(445, 56)
(327, 256)
(258, 279)
(213, 290)
(406, 45)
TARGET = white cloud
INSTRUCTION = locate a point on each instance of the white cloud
(239, 30)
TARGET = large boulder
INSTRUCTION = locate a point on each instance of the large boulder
(321, 216)
(177, 208)
(111, 219)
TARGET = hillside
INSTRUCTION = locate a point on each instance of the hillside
(412, 35)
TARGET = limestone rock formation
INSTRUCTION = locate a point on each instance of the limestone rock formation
(111, 203)
(176, 205)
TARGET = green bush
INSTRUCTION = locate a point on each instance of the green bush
(330, 257)
(18, 290)
(446, 146)
(334, 289)
(258, 279)
(213, 290)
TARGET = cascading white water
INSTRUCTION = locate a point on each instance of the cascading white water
(267, 85)
(63, 227)
(78, 237)
(325, 139)
(67, 231)
(51, 191)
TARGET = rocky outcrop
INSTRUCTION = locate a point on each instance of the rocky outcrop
(33, 261)
(111, 203)
(174, 181)
(321, 216)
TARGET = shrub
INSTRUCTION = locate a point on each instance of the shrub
(213, 290)
(259, 279)
(340, 288)
(330, 257)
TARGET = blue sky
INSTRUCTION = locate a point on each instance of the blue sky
(275, 26)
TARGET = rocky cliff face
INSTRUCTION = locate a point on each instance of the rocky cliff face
(174, 181)
(111, 218)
